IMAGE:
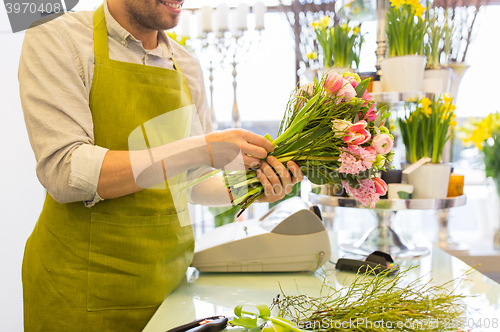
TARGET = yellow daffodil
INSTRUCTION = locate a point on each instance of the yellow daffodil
(447, 99)
(426, 102)
(419, 10)
(413, 3)
(324, 22)
(355, 30)
(312, 55)
(397, 3)
(453, 123)
(478, 137)
(427, 111)
(315, 24)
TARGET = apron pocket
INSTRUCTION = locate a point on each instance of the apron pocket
(136, 261)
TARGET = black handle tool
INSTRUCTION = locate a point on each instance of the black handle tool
(209, 324)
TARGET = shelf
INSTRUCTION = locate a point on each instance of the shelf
(383, 237)
(391, 204)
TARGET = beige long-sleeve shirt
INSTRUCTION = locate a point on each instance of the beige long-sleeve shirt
(55, 76)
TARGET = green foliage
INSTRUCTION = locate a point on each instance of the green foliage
(375, 297)
(405, 30)
(341, 44)
(439, 33)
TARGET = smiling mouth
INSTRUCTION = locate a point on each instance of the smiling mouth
(173, 5)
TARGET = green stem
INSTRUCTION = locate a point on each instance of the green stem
(200, 179)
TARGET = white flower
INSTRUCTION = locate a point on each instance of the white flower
(340, 127)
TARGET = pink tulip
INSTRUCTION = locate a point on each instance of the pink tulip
(367, 96)
(357, 134)
(347, 91)
(382, 143)
(358, 125)
(371, 115)
(351, 80)
(333, 83)
(380, 186)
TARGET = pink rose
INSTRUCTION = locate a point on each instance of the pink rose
(357, 134)
(333, 83)
(380, 186)
(382, 143)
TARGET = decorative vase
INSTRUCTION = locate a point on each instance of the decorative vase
(430, 180)
(444, 74)
(403, 73)
(459, 69)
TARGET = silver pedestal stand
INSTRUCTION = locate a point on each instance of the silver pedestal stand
(383, 237)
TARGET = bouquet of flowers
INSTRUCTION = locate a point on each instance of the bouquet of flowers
(341, 44)
(405, 28)
(333, 132)
(425, 129)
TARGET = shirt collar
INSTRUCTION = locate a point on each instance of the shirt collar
(119, 33)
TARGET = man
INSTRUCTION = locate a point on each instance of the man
(89, 80)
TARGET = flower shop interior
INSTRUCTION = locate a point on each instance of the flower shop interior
(432, 83)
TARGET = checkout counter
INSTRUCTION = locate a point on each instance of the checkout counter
(204, 294)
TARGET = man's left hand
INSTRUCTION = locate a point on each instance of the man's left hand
(276, 179)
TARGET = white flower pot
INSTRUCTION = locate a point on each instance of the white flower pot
(433, 85)
(403, 73)
(430, 180)
(444, 74)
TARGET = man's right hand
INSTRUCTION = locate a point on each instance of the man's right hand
(225, 145)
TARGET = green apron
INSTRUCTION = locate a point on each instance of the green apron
(108, 268)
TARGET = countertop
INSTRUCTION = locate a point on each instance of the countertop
(207, 294)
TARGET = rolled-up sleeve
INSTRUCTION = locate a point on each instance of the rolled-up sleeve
(56, 110)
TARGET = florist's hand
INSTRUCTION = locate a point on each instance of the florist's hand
(226, 145)
(276, 179)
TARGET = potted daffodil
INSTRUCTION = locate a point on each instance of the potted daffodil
(425, 129)
(340, 44)
(403, 70)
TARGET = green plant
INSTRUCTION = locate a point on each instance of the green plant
(439, 34)
(341, 44)
(370, 303)
(425, 129)
(485, 135)
(405, 28)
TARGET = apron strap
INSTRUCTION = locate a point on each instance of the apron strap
(101, 48)
(176, 67)
(100, 34)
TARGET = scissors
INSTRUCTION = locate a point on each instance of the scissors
(209, 324)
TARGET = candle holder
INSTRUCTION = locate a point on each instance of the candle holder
(225, 46)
